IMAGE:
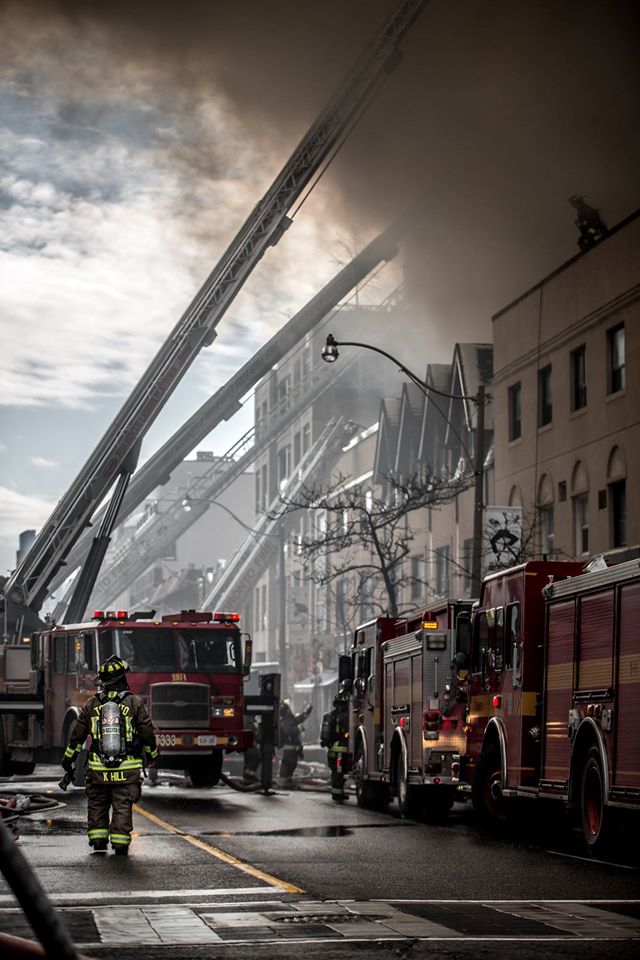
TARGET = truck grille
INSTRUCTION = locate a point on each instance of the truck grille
(180, 705)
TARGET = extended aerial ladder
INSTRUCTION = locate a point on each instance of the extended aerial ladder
(225, 402)
(246, 567)
(135, 553)
(114, 459)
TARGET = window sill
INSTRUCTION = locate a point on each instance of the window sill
(546, 427)
(578, 413)
(615, 396)
(514, 443)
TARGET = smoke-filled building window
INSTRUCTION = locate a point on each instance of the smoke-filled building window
(515, 411)
(443, 566)
(418, 578)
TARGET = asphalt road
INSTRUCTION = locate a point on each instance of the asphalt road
(218, 873)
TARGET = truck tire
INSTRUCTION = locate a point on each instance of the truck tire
(491, 808)
(205, 771)
(410, 797)
(595, 817)
(370, 795)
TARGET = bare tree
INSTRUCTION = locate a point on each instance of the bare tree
(361, 538)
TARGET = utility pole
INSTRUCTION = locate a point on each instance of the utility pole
(478, 501)
(282, 610)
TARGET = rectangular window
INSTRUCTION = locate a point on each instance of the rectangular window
(263, 607)
(546, 535)
(264, 488)
(284, 464)
(297, 448)
(579, 378)
(306, 438)
(545, 408)
(58, 654)
(581, 523)
(616, 351)
(618, 512)
(515, 411)
(418, 585)
(443, 556)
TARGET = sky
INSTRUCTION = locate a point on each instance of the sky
(135, 137)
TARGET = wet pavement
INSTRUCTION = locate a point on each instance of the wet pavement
(219, 870)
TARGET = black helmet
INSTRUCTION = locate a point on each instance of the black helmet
(112, 670)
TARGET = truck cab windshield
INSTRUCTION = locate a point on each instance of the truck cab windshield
(162, 650)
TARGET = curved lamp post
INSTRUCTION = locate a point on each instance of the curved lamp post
(330, 354)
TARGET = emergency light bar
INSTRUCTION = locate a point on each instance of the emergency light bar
(226, 617)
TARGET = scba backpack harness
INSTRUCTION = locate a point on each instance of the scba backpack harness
(115, 740)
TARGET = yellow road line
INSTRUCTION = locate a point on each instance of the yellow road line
(220, 854)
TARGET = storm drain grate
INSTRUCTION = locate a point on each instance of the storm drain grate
(327, 918)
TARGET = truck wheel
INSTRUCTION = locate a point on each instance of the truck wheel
(492, 810)
(205, 771)
(409, 796)
(370, 795)
(594, 815)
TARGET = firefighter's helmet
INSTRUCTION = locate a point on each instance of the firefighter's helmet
(112, 670)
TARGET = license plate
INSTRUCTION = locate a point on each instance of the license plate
(207, 741)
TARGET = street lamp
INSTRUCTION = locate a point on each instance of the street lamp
(330, 354)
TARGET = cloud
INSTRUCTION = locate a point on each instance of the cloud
(43, 463)
(18, 512)
(106, 238)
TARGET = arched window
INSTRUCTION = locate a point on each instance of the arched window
(515, 496)
(580, 499)
(545, 532)
(617, 497)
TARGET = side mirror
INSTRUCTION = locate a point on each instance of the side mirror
(344, 668)
(247, 655)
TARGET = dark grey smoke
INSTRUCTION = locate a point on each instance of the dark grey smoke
(500, 111)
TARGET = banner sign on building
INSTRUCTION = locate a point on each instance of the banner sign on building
(502, 538)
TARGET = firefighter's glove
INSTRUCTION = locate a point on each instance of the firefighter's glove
(67, 764)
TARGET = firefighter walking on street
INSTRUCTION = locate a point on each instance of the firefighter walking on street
(290, 741)
(335, 736)
(121, 734)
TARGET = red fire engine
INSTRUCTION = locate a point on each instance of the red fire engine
(407, 710)
(189, 669)
(553, 693)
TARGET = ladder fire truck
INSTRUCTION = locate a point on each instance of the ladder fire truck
(28, 714)
(553, 705)
(408, 710)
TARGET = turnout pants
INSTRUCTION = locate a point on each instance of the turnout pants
(109, 811)
(288, 763)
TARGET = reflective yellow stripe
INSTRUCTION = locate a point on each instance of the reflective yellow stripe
(120, 838)
(133, 764)
(97, 834)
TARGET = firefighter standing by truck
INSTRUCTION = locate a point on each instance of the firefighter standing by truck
(290, 741)
(121, 735)
(335, 736)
